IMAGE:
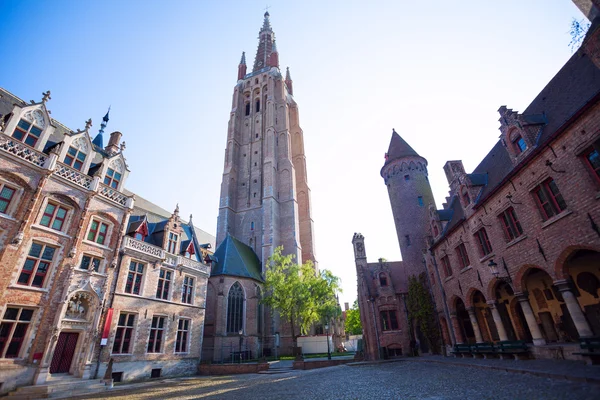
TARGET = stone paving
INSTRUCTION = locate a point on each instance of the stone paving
(403, 379)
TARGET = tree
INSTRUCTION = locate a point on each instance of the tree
(353, 324)
(421, 310)
(577, 32)
(301, 296)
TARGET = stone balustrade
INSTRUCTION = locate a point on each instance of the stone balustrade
(72, 175)
(20, 150)
(193, 264)
(143, 247)
(112, 195)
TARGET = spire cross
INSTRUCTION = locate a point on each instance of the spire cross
(46, 96)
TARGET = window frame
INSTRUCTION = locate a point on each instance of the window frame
(485, 246)
(585, 156)
(92, 257)
(172, 241)
(185, 341)
(10, 202)
(27, 133)
(131, 278)
(125, 328)
(387, 322)
(236, 318)
(110, 179)
(188, 289)
(463, 256)
(97, 232)
(35, 268)
(447, 266)
(551, 199)
(515, 139)
(510, 224)
(161, 287)
(152, 339)
(75, 158)
(53, 216)
(14, 325)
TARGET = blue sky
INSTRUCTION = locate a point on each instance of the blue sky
(435, 71)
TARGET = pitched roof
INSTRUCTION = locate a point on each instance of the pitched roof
(234, 258)
(399, 148)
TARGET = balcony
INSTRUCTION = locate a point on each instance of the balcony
(193, 264)
(113, 195)
(72, 175)
(22, 151)
(142, 247)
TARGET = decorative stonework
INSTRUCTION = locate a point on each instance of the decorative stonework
(37, 117)
(81, 144)
(79, 306)
(117, 165)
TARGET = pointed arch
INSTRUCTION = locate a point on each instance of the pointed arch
(235, 308)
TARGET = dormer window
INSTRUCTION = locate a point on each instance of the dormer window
(383, 280)
(112, 178)
(75, 158)
(27, 132)
(518, 143)
(172, 243)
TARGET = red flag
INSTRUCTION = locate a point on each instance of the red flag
(107, 323)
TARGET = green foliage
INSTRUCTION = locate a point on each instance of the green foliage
(301, 296)
(353, 324)
(577, 32)
(421, 310)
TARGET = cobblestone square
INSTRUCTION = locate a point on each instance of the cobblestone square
(397, 380)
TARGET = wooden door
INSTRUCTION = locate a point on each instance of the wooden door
(63, 352)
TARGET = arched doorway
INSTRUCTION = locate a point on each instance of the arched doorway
(549, 306)
(511, 321)
(464, 322)
(485, 319)
(582, 267)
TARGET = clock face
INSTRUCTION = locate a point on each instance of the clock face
(39, 118)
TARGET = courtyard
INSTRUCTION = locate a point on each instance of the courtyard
(397, 380)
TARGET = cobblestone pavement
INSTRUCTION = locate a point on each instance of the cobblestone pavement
(398, 380)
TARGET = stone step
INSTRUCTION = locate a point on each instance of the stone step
(59, 389)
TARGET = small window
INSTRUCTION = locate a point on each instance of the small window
(592, 161)
(446, 266)
(254, 194)
(7, 196)
(247, 109)
(155, 340)
(420, 200)
(383, 280)
(518, 143)
(54, 216)
(252, 225)
(27, 133)
(463, 256)
(406, 177)
(407, 238)
(124, 334)
(36, 265)
(257, 106)
(485, 247)
(164, 284)
(389, 320)
(90, 263)
(139, 236)
(75, 158)
(155, 372)
(549, 200)
(13, 330)
(183, 332)
(187, 292)
(117, 377)
(98, 231)
(133, 285)
(172, 243)
(112, 178)
(510, 223)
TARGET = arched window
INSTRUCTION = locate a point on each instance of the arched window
(235, 309)
(247, 109)
(257, 105)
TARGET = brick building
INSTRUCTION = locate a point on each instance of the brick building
(514, 253)
(67, 244)
(265, 203)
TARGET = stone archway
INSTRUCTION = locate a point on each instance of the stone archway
(504, 295)
(464, 322)
(484, 317)
(581, 270)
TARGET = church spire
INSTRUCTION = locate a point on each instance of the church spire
(98, 140)
(266, 37)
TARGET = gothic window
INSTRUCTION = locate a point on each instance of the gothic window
(13, 330)
(90, 263)
(133, 284)
(510, 223)
(75, 158)
(187, 292)
(112, 178)
(7, 196)
(27, 132)
(164, 284)
(54, 216)
(485, 247)
(235, 309)
(383, 280)
(157, 334)
(183, 332)
(549, 199)
(98, 231)
(247, 109)
(172, 243)
(124, 334)
(389, 320)
(257, 106)
(36, 265)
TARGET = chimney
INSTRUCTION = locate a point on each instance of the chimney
(113, 143)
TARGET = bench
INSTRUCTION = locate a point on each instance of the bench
(591, 349)
(485, 350)
(461, 349)
(513, 349)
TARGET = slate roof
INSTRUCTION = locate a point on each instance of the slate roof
(398, 149)
(235, 258)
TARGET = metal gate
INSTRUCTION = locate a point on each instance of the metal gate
(63, 353)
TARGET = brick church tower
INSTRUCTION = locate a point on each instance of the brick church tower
(405, 175)
(265, 199)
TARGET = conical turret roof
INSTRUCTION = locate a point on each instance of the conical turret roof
(399, 148)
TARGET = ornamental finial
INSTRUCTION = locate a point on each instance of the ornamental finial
(46, 96)
(88, 124)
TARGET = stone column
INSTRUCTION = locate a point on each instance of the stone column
(536, 334)
(583, 328)
(473, 318)
(456, 327)
(497, 320)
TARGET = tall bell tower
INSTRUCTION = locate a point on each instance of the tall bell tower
(265, 198)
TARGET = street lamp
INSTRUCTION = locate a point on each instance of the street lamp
(328, 351)
(494, 270)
